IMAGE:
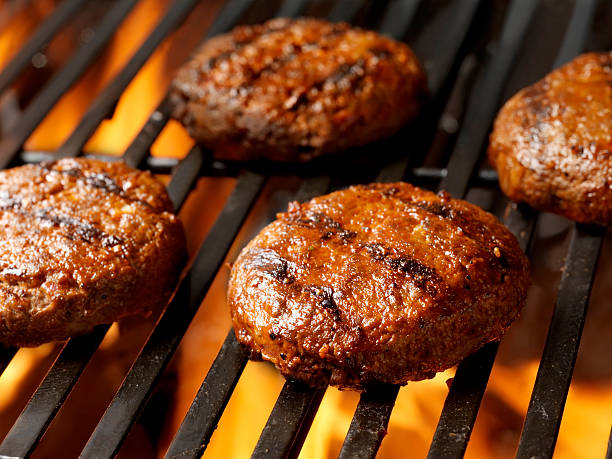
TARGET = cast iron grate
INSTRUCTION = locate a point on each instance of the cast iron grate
(451, 41)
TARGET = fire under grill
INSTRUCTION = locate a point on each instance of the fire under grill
(469, 49)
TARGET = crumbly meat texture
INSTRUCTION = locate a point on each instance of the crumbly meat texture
(383, 283)
(82, 243)
(552, 142)
(291, 90)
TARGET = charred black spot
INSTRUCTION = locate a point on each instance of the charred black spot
(283, 356)
(326, 299)
(100, 181)
(438, 209)
(84, 230)
(272, 336)
(271, 264)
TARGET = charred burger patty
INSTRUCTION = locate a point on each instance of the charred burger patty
(295, 89)
(552, 142)
(82, 242)
(383, 283)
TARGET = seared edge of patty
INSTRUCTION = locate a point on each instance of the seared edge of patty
(382, 283)
(84, 242)
(295, 89)
(551, 143)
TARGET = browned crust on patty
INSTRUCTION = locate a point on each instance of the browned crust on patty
(383, 283)
(295, 89)
(552, 142)
(83, 242)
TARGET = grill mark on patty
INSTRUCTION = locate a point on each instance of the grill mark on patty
(326, 225)
(100, 181)
(424, 277)
(271, 264)
(352, 73)
(453, 215)
(86, 231)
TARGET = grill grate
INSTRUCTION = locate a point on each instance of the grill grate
(445, 41)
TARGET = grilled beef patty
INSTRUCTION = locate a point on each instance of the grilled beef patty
(292, 90)
(383, 283)
(552, 142)
(83, 242)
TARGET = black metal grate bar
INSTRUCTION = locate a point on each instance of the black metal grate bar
(6, 354)
(138, 150)
(289, 422)
(291, 8)
(345, 10)
(48, 398)
(208, 405)
(136, 388)
(228, 17)
(398, 17)
(441, 46)
(51, 93)
(577, 31)
(184, 177)
(369, 424)
(484, 103)
(452, 433)
(43, 34)
(462, 403)
(609, 452)
(105, 102)
(557, 364)
(205, 411)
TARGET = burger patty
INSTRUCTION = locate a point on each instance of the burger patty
(83, 243)
(292, 90)
(383, 283)
(552, 142)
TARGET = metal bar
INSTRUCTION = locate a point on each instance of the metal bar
(291, 8)
(105, 102)
(48, 398)
(206, 409)
(463, 400)
(462, 404)
(439, 48)
(484, 102)
(345, 10)
(369, 424)
(398, 17)
(184, 177)
(204, 413)
(557, 364)
(289, 422)
(577, 31)
(138, 150)
(146, 370)
(6, 355)
(43, 34)
(228, 17)
(609, 452)
(61, 82)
